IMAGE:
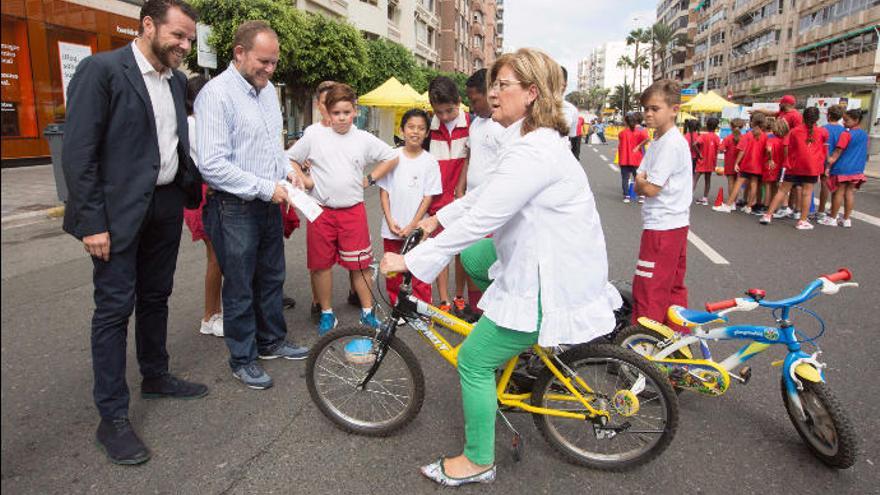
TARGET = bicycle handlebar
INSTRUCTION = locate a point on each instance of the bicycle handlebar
(841, 275)
(714, 307)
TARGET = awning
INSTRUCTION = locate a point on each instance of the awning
(390, 94)
(837, 38)
(709, 102)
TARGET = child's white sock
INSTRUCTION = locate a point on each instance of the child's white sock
(366, 311)
(327, 311)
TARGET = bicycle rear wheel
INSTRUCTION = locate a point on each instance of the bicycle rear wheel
(637, 431)
(340, 361)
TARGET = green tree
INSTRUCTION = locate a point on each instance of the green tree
(623, 97)
(429, 73)
(625, 62)
(638, 37)
(596, 98)
(579, 99)
(665, 41)
(389, 59)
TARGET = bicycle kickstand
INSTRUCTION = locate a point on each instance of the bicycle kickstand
(517, 442)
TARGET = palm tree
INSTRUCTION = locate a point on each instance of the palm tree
(622, 97)
(641, 62)
(664, 38)
(596, 97)
(625, 62)
(636, 37)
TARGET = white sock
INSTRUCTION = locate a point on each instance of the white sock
(327, 311)
(366, 311)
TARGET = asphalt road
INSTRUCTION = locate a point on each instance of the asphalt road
(243, 441)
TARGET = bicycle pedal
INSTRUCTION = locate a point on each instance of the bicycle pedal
(745, 373)
(517, 444)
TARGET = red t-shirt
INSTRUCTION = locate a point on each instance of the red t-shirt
(451, 152)
(709, 143)
(755, 149)
(777, 153)
(728, 146)
(792, 117)
(806, 158)
(692, 138)
(627, 140)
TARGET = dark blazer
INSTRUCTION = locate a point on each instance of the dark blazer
(111, 155)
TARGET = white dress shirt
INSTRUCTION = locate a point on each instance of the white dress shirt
(548, 238)
(571, 112)
(162, 102)
(483, 139)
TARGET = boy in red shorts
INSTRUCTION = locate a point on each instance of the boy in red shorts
(337, 156)
(665, 179)
(448, 144)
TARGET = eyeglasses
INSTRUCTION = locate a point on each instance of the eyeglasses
(502, 84)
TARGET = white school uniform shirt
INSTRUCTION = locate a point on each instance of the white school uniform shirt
(667, 163)
(571, 112)
(547, 235)
(338, 162)
(407, 185)
(483, 141)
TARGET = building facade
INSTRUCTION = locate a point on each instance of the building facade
(675, 63)
(469, 34)
(415, 24)
(43, 41)
(600, 69)
(753, 49)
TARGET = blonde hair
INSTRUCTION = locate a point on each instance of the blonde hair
(534, 67)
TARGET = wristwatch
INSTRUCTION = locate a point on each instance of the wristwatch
(370, 180)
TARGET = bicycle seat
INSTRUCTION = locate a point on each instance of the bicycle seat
(692, 318)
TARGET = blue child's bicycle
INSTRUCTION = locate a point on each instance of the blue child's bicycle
(816, 414)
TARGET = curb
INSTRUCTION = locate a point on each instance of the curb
(54, 212)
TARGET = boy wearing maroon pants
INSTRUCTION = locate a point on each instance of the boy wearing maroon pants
(665, 180)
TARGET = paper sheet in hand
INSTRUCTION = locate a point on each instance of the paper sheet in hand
(303, 202)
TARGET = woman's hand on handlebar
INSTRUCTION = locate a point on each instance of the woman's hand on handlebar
(429, 225)
(392, 263)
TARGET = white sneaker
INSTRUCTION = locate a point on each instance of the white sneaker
(827, 221)
(804, 225)
(846, 222)
(641, 199)
(747, 210)
(214, 326)
(722, 208)
(820, 215)
(704, 201)
(782, 212)
(765, 219)
(794, 215)
(626, 199)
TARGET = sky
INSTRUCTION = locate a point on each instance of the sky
(569, 29)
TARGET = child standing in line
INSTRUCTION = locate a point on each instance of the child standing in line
(728, 146)
(338, 156)
(752, 153)
(835, 129)
(707, 146)
(630, 149)
(777, 164)
(806, 158)
(847, 168)
(767, 179)
(692, 135)
(406, 193)
(665, 179)
(448, 144)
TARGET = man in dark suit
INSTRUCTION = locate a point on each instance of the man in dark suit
(126, 164)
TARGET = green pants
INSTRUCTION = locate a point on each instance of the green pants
(486, 348)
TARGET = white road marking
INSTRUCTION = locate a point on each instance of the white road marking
(604, 157)
(855, 214)
(706, 249)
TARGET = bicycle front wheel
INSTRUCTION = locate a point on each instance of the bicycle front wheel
(643, 408)
(825, 429)
(340, 361)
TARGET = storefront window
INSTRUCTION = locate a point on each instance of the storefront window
(67, 47)
(19, 116)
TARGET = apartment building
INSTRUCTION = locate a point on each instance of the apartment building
(754, 49)
(675, 64)
(600, 69)
(469, 34)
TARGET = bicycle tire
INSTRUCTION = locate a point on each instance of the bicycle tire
(644, 334)
(585, 354)
(842, 454)
(336, 340)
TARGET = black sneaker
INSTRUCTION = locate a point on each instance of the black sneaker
(353, 299)
(170, 386)
(118, 440)
(288, 302)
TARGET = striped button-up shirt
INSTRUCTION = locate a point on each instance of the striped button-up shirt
(238, 137)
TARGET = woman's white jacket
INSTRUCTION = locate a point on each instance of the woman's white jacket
(538, 205)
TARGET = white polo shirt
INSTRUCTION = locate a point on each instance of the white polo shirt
(483, 142)
(407, 185)
(667, 164)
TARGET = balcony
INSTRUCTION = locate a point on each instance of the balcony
(426, 51)
(430, 18)
(759, 56)
(750, 6)
(761, 83)
(738, 34)
(854, 65)
(337, 7)
(393, 31)
(863, 18)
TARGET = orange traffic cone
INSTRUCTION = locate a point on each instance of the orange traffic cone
(720, 198)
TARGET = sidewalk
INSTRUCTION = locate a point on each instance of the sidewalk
(28, 193)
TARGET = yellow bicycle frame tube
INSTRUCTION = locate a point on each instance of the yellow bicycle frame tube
(666, 332)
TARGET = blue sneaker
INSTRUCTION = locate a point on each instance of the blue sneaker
(359, 351)
(369, 319)
(253, 376)
(327, 322)
(287, 351)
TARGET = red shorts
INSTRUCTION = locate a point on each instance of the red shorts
(660, 271)
(834, 181)
(339, 236)
(422, 290)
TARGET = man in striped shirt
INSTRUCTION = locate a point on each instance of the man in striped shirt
(241, 157)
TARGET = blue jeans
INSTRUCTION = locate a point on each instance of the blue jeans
(248, 239)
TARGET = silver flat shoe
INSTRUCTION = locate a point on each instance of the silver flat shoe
(435, 472)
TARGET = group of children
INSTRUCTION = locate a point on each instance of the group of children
(781, 158)
(441, 158)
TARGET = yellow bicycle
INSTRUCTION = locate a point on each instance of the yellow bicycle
(598, 405)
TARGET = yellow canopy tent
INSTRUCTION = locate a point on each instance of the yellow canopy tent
(710, 102)
(390, 94)
(682, 116)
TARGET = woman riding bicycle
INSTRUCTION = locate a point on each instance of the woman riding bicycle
(549, 278)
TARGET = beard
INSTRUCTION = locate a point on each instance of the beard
(165, 54)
